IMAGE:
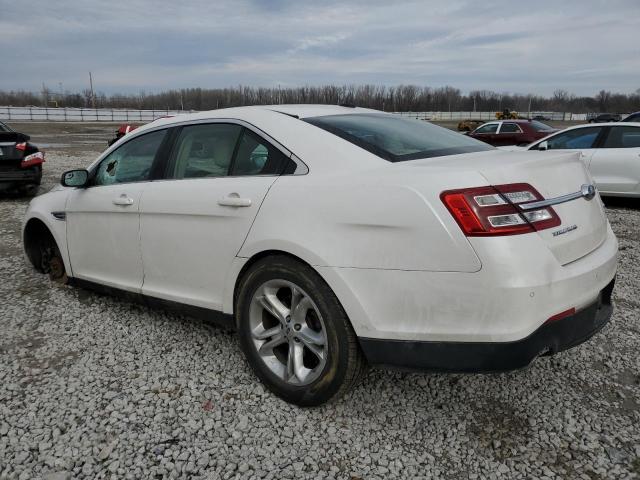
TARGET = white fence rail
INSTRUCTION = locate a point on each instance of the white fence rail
(82, 114)
(143, 116)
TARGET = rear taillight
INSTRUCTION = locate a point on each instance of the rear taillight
(490, 211)
(33, 159)
(21, 146)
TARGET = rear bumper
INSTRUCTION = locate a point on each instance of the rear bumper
(478, 357)
(20, 176)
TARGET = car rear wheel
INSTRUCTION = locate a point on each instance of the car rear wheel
(295, 334)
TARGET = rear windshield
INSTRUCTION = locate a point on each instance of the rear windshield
(397, 139)
(539, 126)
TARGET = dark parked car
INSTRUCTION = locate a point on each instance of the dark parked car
(634, 117)
(512, 132)
(20, 162)
(605, 117)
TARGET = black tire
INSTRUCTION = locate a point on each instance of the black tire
(345, 362)
(31, 190)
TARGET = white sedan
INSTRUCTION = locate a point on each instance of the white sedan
(335, 237)
(610, 150)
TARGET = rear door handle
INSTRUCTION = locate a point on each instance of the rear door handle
(234, 200)
(123, 200)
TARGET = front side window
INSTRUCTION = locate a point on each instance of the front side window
(204, 150)
(510, 128)
(397, 139)
(488, 128)
(256, 157)
(623, 137)
(574, 139)
(130, 162)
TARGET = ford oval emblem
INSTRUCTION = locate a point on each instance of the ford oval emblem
(588, 191)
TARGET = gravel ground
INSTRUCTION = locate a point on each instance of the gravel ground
(95, 387)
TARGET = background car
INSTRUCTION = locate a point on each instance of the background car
(20, 162)
(120, 132)
(634, 117)
(332, 237)
(512, 132)
(610, 150)
(605, 117)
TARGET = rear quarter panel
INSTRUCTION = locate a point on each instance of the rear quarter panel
(388, 218)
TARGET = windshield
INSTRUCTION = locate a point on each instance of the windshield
(539, 126)
(397, 139)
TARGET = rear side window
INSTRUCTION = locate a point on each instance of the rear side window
(623, 137)
(130, 162)
(204, 150)
(397, 139)
(256, 157)
(510, 128)
(539, 126)
(578, 138)
(489, 128)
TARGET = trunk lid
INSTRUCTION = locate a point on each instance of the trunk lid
(584, 223)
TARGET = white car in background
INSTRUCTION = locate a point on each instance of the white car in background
(610, 150)
(332, 237)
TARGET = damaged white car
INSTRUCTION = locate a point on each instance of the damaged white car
(336, 237)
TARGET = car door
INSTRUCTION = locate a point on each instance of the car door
(486, 133)
(582, 140)
(103, 220)
(508, 134)
(195, 221)
(615, 166)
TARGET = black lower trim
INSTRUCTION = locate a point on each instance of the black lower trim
(216, 317)
(492, 357)
(20, 176)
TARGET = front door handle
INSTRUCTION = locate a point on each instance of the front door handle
(123, 200)
(234, 200)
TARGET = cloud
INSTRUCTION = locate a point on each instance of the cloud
(581, 46)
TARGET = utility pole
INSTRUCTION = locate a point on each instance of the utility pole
(93, 97)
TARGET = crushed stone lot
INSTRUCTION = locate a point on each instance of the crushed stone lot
(95, 387)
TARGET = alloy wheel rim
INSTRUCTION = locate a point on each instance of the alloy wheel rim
(288, 332)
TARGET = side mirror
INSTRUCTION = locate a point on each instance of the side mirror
(75, 178)
(543, 145)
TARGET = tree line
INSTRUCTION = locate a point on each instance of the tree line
(399, 98)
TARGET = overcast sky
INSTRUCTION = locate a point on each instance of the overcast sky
(508, 46)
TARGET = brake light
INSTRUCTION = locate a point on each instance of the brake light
(491, 211)
(21, 146)
(33, 159)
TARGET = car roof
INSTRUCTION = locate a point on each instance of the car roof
(248, 112)
(602, 124)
